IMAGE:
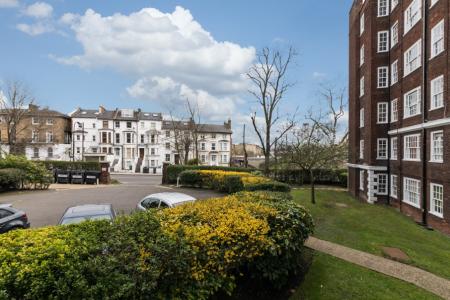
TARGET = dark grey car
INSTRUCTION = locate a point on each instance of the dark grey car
(81, 213)
(11, 218)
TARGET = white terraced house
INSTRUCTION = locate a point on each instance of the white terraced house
(213, 142)
(135, 141)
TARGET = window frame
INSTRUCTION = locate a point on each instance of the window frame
(383, 77)
(385, 176)
(410, 65)
(406, 153)
(394, 150)
(361, 118)
(394, 112)
(433, 205)
(380, 141)
(394, 72)
(383, 111)
(361, 149)
(384, 8)
(383, 45)
(394, 34)
(439, 94)
(433, 149)
(437, 46)
(406, 108)
(361, 179)
(394, 179)
(411, 20)
(361, 86)
(407, 200)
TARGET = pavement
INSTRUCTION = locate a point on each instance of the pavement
(423, 279)
(45, 208)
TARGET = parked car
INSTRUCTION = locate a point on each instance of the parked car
(11, 218)
(93, 212)
(164, 200)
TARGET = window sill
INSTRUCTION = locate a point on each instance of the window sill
(413, 160)
(392, 196)
(436, 161)
(381, 158)
(436, 55)
(411, 204)
(407, 117)
(441, 216)
(382, 123)
(436, 108)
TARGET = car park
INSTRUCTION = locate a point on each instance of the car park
(92, 212)
(11, 218)
(164, 200)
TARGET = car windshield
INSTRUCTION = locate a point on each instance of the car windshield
(77, 220)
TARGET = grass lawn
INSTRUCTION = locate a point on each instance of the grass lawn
(332, 278)
(342, 219)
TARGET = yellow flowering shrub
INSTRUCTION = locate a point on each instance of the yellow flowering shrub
(230, 181)
(227, 230)
(187, 252)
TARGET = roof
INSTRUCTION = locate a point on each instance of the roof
(117, 114)
(88, 209)
(205, 128)
(45, 112)
(85, 113)
(172, 198)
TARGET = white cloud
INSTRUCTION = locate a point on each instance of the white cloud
(172, 95)
(35, 29)
(39, 10)
(9, 3)
(169, 55)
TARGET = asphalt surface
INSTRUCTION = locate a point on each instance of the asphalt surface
(46, 207)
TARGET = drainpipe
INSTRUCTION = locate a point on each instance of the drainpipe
(424, 110)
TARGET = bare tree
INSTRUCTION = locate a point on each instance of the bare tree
(268, 76)
(195, 125)
(14, 109)
(320, 143)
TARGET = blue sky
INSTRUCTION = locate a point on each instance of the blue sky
(58, 63)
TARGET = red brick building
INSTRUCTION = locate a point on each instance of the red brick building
(399, 107)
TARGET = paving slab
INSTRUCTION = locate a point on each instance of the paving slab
(423, 279)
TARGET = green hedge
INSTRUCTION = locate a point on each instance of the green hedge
(72, 165)
(11, 179)
(33, 174)
(229, 183)
(188, 252)
(269, 186)
(323, 176)
(174, 170)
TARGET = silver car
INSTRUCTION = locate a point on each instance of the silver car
(163, 200)
(81, 213)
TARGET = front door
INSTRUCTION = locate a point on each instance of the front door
(141, 153)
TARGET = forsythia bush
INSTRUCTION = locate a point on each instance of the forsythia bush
(188, 252)
(219, 180)
(173, 171)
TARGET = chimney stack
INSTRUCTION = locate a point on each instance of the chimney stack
(227, 124)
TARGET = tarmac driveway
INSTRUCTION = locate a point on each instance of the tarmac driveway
(46, 207)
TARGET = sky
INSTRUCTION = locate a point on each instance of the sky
(154, 54)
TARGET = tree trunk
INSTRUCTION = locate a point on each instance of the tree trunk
(266, 164)
(313, 191)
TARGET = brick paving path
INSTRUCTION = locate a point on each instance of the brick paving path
(428, 281)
